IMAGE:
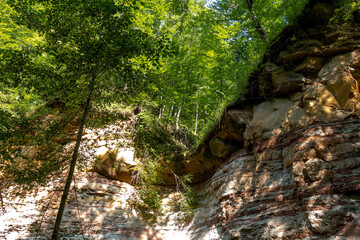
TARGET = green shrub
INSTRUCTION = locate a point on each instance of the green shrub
(346, 12)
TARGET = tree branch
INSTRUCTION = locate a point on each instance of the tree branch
(258, 27)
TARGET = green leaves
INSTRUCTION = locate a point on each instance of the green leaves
(77, 32)
(346, 12)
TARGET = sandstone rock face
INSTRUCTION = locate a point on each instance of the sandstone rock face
(108, 151)
(302, 185)
(310, 64)
(235, 122)
(287, 82)
(119, 164)
(99, 208)
(267, 119)
(301, 180)
(328, 93)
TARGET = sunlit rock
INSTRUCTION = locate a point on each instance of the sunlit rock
(119, 165)
(267, 119)
(234, 123)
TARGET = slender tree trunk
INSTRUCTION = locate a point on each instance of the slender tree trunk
(169, 115)
(178, 118)
(184, 96)
(186, 88)
(221, 85)
(171, 110)
(55, 235)
(163, 111)
(197, 117)
(258, 27)
(160, 112)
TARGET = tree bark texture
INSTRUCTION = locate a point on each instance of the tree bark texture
(55, 234)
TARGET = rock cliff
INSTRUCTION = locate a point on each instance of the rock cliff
(283, 163)
(298, 176)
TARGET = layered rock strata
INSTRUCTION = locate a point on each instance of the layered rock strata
(302, 185)
(98, 208)
(298, 176)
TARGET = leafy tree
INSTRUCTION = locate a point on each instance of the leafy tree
(83, 41)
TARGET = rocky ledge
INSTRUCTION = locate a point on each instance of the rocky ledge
(301, 185)
(286, 159)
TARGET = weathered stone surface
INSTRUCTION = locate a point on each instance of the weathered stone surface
(337, 40)
(297, 117)
(317, 169)
(340, 86)
(274, 79)
(202, 165)
(235, 122)
(119, 165)
(219, 147)
(320, 105)
(287, 82)
(262, 198)
(310, 64)
(338, 33)
(318, 51)
(272, 118)
(320, 14)
(338, 75)
(339, 63)
(99, 209)
(267, 118)
(255, 195)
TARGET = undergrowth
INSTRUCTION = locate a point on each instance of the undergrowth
(159, 147)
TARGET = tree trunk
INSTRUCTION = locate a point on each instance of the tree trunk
(258, 27)
(186, 88)
(197, 117)
(55, 235)
(184, 96)
(178, 118)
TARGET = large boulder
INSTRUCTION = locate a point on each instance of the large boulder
(286, 82)
(321, 105)
(201, 165)
(339, 63)
(340, 85)
(340, 75)
(119, 164)
(220, 147)
(310, 65)
(267, 119)
(320, 14)
(274, 79)
(234, 123)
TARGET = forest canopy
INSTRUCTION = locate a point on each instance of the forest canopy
(182, 60)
